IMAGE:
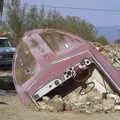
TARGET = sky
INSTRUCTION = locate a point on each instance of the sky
(98, 18)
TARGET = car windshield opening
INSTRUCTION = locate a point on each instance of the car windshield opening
(4, 43)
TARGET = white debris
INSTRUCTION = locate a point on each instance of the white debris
(46, 99)
(115, 97)
(117, 107)
(108, 104)
(100, 83)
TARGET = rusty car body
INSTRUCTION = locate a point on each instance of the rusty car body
(48, 58)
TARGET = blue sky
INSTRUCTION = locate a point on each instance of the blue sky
(96, 18)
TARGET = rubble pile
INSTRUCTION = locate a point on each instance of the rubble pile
(90, 103)
(99, 99)
(113, 54)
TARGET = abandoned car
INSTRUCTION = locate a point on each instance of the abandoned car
(49, 61)
(6, 52)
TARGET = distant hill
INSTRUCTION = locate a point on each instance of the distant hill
(111, 33)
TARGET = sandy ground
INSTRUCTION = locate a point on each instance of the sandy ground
(14, 110)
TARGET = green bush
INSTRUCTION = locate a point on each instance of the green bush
(102, 40)
(21, 18)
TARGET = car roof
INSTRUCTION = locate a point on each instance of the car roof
(2, 38)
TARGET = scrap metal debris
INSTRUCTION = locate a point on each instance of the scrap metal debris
(59, 71)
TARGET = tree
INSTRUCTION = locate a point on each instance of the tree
(21, 19)
(32, 18)
(15, 20)
(102, 40)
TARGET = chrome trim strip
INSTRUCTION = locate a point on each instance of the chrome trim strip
(61, 60)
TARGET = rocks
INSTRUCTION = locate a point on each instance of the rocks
(44, 106)
(113, 54)
(74, 101)
(115, 97)
(89, 103)
(98, 107)
(117, 107)
(46, 99)
(108, 104)
(93, 101)
(57, 103)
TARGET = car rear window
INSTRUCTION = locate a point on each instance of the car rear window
(59, 42)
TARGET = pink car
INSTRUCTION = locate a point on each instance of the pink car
(48, 59)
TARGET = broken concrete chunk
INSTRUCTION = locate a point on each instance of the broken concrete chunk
(42, 105)
(117, 107)
(46, 99)
(98, 108)
(50, 108)
(108, 104)
(113, 54)
(115, 97)
(68, 106)
(57, 103)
